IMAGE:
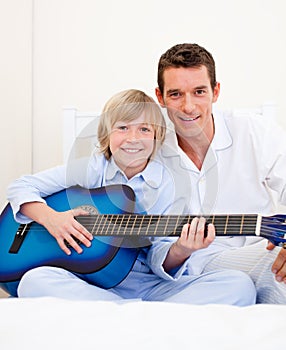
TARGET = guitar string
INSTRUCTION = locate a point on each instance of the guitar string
(158, 232)
(233, 226)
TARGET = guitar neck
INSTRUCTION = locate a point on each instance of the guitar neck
(166, 225)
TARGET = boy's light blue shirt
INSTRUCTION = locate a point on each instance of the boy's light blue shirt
(154, 190)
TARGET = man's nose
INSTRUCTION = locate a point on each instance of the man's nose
(188, 104)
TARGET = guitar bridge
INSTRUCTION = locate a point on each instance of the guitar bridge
(19, 238)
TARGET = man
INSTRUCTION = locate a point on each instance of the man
(231, 164)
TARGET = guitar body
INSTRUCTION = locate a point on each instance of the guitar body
(105, 264)
(117, 235)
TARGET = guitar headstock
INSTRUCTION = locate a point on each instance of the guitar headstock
(273, 228)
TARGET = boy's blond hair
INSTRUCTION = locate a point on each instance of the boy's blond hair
(127, 106)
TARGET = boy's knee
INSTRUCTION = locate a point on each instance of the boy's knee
(32, 280)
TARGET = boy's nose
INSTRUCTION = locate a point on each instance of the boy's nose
(132, 135)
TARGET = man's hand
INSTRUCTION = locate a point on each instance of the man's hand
(279, 265)
(192, 238)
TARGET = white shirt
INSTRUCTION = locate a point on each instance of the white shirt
(244, 172)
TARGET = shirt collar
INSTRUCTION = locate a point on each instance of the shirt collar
(222, 138)
(152, 174)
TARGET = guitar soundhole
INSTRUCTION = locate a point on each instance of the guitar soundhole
(89, 208)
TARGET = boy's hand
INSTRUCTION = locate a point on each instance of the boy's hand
(68, 231)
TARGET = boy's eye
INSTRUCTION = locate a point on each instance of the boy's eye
(122, 127)
(145, 129)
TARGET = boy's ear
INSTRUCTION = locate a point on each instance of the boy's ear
(159, 97)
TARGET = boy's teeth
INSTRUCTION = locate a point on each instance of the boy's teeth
(131, 150)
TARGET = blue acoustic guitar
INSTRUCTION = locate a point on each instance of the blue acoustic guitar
(118, 235)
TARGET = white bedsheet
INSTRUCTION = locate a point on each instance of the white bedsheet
(50, 323)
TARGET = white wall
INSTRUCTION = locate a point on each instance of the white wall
(86, 50)
(15, 91)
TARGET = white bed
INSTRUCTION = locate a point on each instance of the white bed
(51, 323)
(40, 324)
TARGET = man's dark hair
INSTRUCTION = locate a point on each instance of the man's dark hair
(186, 55)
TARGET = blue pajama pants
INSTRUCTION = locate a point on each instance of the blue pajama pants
(230, 287)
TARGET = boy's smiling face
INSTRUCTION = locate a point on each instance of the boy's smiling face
(131, 144)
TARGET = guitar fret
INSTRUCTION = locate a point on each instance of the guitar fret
(158, 221)
(104, 219)
(225, 226)
(233, 225)
(114, 224)
(138, 224)
(180, 221)
(97, 225)
(142, 226)
(120, 223)
(173, 224)
(109, 223)
(166, 225)
(94, 225)
(154, 227)
(126, 225)
(241, 225)
(130, 229)
(249, 224)
(149, 225)
(219, 223)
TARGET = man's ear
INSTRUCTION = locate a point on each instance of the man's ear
(216, 92)
(159, 97)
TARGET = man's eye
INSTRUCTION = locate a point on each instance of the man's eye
(174, 94)
(200, 92)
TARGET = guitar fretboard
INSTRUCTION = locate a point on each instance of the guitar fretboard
(165, 225)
